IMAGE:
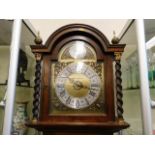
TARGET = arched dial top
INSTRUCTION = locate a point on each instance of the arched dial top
(77, 50)
(78, 86)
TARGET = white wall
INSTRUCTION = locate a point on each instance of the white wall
(48, 26)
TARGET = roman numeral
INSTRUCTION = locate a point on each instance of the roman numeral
(92, 93)
(77, 104)
(93, 76)
(69, 70)
(87, 101)
(94, 85)
(60, 85)
(68, 100)
(62, 93)
(85, 71)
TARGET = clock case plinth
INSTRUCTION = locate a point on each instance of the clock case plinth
(108, 123)
(105, 128)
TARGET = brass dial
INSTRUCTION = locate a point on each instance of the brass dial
(77, 85)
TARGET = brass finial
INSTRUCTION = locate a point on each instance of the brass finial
(115, 40)
(38, 39)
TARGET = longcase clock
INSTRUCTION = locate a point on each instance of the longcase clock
(76, 88)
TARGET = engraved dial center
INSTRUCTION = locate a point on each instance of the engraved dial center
(77, 85)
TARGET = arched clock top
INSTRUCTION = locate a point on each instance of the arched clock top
(80, 30)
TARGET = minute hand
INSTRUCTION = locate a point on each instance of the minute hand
(79, 84)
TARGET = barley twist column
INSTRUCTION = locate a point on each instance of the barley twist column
(37, 88)
(118, 80)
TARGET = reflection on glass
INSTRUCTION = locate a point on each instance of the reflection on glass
(132, 72)
(151, 68)
(80, 65)
(26, 71)
(5, 39)
(78, 50)
(24, 87)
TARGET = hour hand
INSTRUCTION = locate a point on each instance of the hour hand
(86, 87)
(80, 85)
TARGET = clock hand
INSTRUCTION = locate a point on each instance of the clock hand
(73, 80)
(77, 84)
(86, 87)
(69, 77)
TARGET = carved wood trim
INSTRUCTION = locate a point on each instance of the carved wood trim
(119, 94)
(37, 87)
(118, 56)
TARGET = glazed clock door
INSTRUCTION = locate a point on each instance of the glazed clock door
(77, 81)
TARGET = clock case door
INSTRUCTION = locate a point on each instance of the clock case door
(105, 123)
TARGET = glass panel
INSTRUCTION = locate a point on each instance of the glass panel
(25, 75)
(25, 82)
(76, 84)
(150, 45)
(5, 40)
(130, 75)
(26, 66)
(130, 82)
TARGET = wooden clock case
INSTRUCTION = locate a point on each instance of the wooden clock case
(107, 123)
